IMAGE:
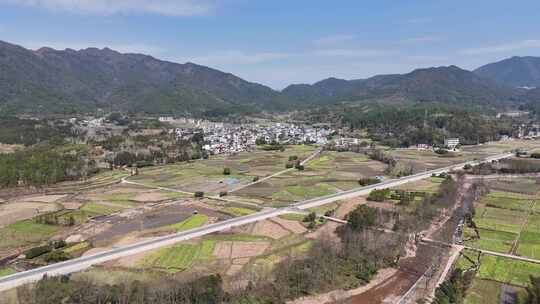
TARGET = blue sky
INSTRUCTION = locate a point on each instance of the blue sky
(281, 42)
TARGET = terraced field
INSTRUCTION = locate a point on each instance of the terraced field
(508, 222)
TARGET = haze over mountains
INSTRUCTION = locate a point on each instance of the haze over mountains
(515, 71)
(56, 81)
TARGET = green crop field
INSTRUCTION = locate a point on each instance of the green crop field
(499, 219)
(194, 221)
(179, 257)
(25, 232)
(506, 270)
(493, 240)
(483, 291)
(174, 259)
(507, 203)
(100, 209)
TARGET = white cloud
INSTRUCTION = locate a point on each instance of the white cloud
(500, 48)
(111, 7)
(122, 48)
(238, 57)
(334, 39)
(353, 52)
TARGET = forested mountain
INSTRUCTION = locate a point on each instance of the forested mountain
(441, 84)
(55, 81)
(515, 71)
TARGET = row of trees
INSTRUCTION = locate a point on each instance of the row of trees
(424, 124)
(44, 165)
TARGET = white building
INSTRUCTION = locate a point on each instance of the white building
(451, 143)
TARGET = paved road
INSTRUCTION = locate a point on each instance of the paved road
(87, 261)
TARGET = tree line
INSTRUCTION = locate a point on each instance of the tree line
(45, 165)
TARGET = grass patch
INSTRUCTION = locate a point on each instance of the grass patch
(5, 271)
(238, 211)
(239, 238)
(207, 249)
(293, 217)
(100, 209)
(77, 247)
(193, 222)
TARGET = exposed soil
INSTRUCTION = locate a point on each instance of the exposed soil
(22, 210)
(293, 226)
(248, 249)
(388, 291)
(269, 229)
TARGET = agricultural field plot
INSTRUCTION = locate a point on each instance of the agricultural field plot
(207, 175)
(231, 253)
(166, 219)
(493, 273)
(330, 173)
(501, 217)
(173, 259)
(423, 160)
(516, 188)
(502, 146)
(25, 233)
(103, 179)
(430, 185)
(529, 241)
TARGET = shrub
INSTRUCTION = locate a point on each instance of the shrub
(199, 194)
(299, 167)
(311, 217)
(226, 171)
(256, 178)
(366, 181)
(37, 251)
(289, 165)
(293, 158)
(378, 195)
(441, 151)
(57, 256)
(222, 193)
(57, 244)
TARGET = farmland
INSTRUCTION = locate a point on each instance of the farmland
(507, 221)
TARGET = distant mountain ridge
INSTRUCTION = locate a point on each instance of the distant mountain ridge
(440, 84)
(514, 72)
(66, 81)
(52, 80)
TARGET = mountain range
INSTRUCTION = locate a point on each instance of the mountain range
(65, 81)
(514, 72)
